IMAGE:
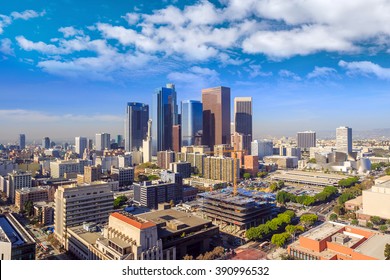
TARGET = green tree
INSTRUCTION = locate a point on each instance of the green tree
(262, 174)
(369, 225)
(29, 208)
(308, 219)
(153, 177)
(376, 220)
(312, 160)
(354, 222)
(119, 201)
(387, 171)
(333, 217)
(346, 183)
(247, 175)
(280, 239)
(387, 252)
(292, 230)
(339, 210)
(383, 228)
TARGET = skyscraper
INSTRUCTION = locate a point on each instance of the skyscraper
(164, 116)
(306, 139)
(176, 138)
(216, 116)
(136, 125)
(22, 141)
(81, 144)
(191, 121)
(147, 144)
(46, 143)
(103, 141)
(243, 120)
(344, 139)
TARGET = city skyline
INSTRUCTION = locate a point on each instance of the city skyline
(302, 73)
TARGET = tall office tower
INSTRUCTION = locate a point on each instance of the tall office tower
(176, 138)
(216, 116)
(136, 125)
(103, 141)
(81, 144)
(306, 139)
(164, 116)
(46, 143)
(22, 141)
(147, 144)
(243, 120)
(76, 204)
(262, 148)
(119, 140)
(344, 139)
(191, 121)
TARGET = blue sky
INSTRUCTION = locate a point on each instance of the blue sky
(68, 68)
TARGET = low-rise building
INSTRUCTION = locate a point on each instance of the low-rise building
(44, 212)
(376, 201)
(124, 175)
(334, 241)
(150, 195)
(283, 162)
(15, 242)
(354, 204)
(34, 194)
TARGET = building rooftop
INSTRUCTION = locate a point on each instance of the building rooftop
(136, 221)
(357, 201)
(382, 179)
(323, 231)
(88, 236)
(171, 221)
(11, 233)
(374, 246)
(31, 190)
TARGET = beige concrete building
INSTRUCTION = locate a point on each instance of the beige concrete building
(75, 204)
(376, 201)
(126, 237)
(34, 194)
(220, 168)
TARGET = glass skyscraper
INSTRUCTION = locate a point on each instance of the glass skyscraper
(136, 125)
(191, 121)
(164, 116)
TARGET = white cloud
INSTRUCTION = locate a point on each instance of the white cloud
(255, 71)
(28, 45)
(70, 31)
(195, 75)
(322, 72)
(6, 47)
(132, 18)
(19, 115)
(365, 68)
(289, 75)
(4, 21)
(27, 14)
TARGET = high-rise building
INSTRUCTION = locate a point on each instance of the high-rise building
(306, 139)
(191, 121)
(216, 116)
(164, 158)
(119, 140)
(22, 141)
(17, 180)
(262, 148)
(136, 125)
(103, 141)
(344, 139)
(243, 119)
(176, 138)
(76, 204)
(81, 145)
(164, 116)
(147, 144)
(46, 143)
(150, 195)
(221, 168)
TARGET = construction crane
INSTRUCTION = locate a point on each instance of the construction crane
(234, 164)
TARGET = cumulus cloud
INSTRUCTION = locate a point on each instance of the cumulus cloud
(27, 14)
(70, 31)
(322, 72)
(365, 68)
(6, 47)
(255, 71)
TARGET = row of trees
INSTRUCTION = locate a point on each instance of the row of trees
(280, 239)
(216, 253)
(276, 186)
(283, 197)
(349, 182)
(274, 225)
(378, 166)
